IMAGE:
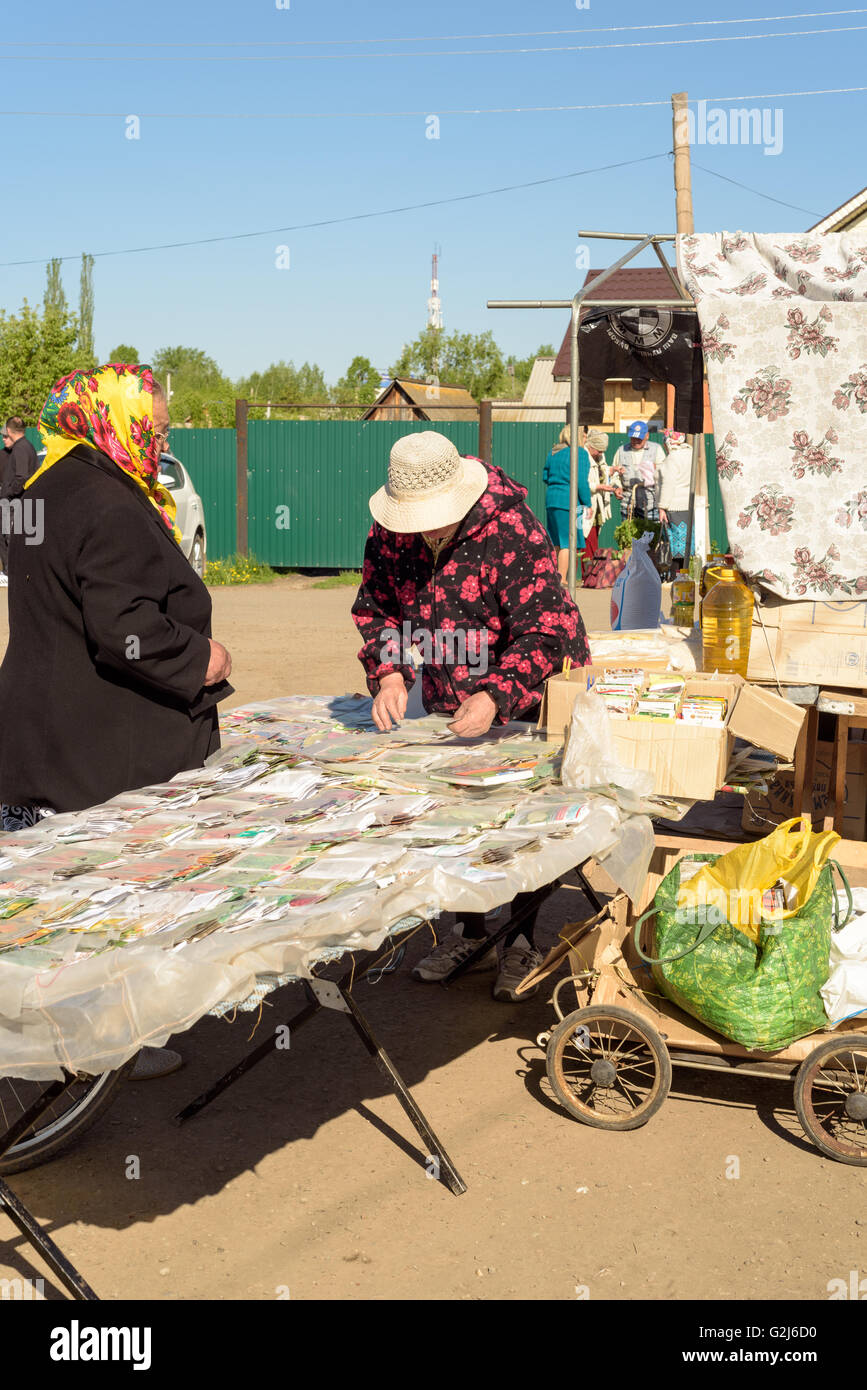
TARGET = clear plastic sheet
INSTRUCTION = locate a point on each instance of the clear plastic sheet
(93, 1013)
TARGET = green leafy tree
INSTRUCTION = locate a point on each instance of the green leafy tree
(124, 353)
(200, 393)
(359, 385)
(518, 369)
(471, 360)
(283, 382)
(55, 296)
(36, 350)
(85, 313)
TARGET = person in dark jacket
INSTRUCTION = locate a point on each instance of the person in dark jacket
(18, 462)
(458, 567)
(111, 679)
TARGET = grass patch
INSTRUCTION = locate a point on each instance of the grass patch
(344, 580)
(238, 569)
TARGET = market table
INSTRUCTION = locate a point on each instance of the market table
(309, 836)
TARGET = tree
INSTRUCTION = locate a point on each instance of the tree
(518, 369)
(55, 297)
(359, 385)
(124, 353)
(284, 382)
(471, 360)
(36, 350)
(85, 312)
(200, 393)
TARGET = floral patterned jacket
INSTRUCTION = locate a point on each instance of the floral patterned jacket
(489, 614)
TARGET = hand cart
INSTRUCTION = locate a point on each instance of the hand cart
(610, 1060)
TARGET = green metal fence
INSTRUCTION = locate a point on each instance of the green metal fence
(309, 481)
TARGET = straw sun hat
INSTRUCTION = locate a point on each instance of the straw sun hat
(429, 484)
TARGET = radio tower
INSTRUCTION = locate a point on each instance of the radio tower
(434, 304)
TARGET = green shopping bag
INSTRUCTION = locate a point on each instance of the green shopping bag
(763, 995)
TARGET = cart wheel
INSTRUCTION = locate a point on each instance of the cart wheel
(608, 1067)
(831, 1097)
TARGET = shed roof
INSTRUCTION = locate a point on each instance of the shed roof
(848, 214)
(438, 406)
(541, 389)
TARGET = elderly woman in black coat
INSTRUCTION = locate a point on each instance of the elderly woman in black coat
(111, 678)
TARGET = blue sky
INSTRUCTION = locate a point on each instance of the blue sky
(361, 287)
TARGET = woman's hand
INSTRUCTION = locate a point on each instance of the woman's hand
(390, 701)
(220, 664)
(663, 516)
(475, 716)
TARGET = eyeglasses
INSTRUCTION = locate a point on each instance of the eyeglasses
(158, 434)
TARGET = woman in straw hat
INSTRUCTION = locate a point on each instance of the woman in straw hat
(458, 571)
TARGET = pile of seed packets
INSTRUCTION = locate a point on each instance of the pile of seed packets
(309, 834)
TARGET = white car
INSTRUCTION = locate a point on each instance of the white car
(190, 518)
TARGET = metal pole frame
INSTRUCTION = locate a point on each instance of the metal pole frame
(581, 301)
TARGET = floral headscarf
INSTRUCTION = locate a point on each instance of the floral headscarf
(110, 408)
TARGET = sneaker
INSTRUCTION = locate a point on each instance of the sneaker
(4, 580)
(447, 954)
(518, 960)
(153, 1062)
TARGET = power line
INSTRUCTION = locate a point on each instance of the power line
(440, 52)
(809, 211)
(355, 217)
(443, 111)
(437, 38)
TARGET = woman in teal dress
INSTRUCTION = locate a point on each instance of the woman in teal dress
(555, 476)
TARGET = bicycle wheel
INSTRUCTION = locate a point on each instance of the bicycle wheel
(62, 1124)
(608, 1067)
(831, 1097)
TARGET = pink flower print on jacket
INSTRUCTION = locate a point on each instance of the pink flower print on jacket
(814, 459)
(809, 337)
(772, 510)
(495, 588)
(767, 392)
(854, 388)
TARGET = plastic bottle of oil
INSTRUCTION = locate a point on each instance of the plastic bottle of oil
(683, 600)
(726, 624)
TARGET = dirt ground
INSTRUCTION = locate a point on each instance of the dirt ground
(307, 1181)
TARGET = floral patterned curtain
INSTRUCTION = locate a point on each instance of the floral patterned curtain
(783, 323)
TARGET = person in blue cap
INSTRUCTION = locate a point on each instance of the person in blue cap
(636, 461)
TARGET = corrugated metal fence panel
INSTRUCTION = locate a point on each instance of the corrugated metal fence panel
(322, 472)
(209, 456)
(310, 481)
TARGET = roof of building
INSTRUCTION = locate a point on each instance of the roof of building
(845, 216)
(541, 389)
(632, 282)
(434, 401)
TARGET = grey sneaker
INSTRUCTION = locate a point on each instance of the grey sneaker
(447, 954)
(518, 960)
(153, 1062)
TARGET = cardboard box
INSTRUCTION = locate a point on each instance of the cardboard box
(762, 812)
(686, 760)
(809, 643)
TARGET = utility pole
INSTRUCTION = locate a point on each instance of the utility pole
(686, 224)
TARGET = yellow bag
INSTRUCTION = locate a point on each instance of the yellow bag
(731, 888)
